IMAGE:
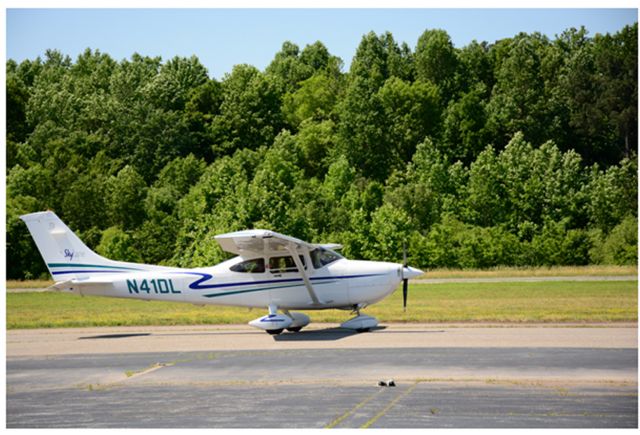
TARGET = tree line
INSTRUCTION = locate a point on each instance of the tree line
(519, 152)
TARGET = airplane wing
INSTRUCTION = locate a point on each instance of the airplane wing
(264, 242)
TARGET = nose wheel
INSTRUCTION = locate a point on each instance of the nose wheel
(360, 323)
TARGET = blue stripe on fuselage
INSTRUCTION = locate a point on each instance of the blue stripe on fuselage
(90, 271)
(251, 290)
(197, 285)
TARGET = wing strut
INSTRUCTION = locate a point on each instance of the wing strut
(303, 273)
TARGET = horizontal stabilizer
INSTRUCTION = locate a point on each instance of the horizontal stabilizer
(74, 284)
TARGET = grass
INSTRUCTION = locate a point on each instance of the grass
(592, 301)
(508, 272)
(34, 283)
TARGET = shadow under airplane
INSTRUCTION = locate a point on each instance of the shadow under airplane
(329, 334)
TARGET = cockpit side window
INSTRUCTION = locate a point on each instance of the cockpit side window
(284, 264)
(321, 257)
(255, 265)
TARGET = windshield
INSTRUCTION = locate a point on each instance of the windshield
(321, 257)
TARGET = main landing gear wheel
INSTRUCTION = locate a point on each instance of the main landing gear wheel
(275, 331)
(295, 329)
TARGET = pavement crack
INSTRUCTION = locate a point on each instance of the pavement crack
(130, 374)
(391, 404)
(350, 412)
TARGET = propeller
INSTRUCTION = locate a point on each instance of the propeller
(405, 281)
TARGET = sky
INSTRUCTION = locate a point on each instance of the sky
(222, 38)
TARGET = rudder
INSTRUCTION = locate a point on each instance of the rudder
(65, 255)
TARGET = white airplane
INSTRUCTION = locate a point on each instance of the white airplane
(271, 271)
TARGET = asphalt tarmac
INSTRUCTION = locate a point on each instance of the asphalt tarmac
(233, 377)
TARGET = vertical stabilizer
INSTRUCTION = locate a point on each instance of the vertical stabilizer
(65, 254)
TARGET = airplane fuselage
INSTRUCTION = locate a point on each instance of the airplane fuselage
(271, 271)
(342, 284)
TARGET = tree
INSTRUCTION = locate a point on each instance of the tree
(611, 194)
(601, 88)
(411, 113)
(317, 143)
(130, 78)
(118, 245)
(522, 184)
(125, 198)
(362, 117)
(170, 88)
(621, 246)
(519, 101)
(317, 57)
(436, 61)
(391, 227)
(377, 58)
(425, 188)
(250, 113)
(155, 239)
(201, 108)
(17, 97)
(474, 68)
(465, 135)
(315, 98)
(21, 251)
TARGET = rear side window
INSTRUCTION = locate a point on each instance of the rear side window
(284, 264)
(255, 265)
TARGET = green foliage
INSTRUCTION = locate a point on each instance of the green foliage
(524, 184)
(612, 194)
(389, 229)
(452, 243)
(518, 152)
(317, 143)
(412, 113)
(436, 60)
(125, 193)
(315, 98)
(21, 252)
(17, 98)
(464, 132)
(118, 245)
(250, 114)
(558, 245)
(171, 87)
(362, 112)
(621, 246)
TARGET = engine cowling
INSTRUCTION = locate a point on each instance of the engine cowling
(271, 322)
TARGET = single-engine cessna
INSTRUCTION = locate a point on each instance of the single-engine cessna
(271, 270)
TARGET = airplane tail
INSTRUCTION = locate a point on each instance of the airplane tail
(64, 253)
